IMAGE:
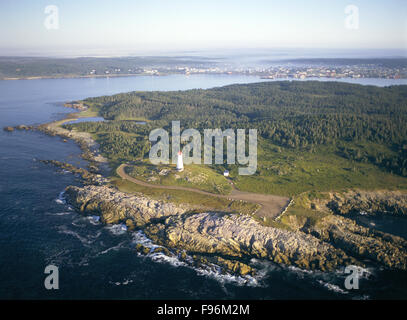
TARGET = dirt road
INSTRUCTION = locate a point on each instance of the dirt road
(271, 205)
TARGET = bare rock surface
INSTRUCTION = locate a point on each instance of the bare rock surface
(233, 235)
(361, 242)
(376, 202)
(242, 237)
(114, 206)
(233, 239)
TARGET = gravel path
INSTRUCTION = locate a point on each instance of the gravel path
(271, 205)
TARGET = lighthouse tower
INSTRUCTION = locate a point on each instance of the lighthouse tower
(180, 164)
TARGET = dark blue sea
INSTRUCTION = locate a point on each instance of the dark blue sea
(99, 262)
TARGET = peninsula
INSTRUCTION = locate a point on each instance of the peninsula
(326, 150)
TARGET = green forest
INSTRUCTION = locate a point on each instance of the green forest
(312, 135)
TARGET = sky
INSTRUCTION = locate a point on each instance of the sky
(102, 27)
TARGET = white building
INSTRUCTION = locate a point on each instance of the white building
(180, 163)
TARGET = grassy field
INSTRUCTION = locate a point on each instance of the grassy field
(195, 176)
(196, 200)
(290, 172)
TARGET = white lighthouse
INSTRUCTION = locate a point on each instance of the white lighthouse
(180, 163)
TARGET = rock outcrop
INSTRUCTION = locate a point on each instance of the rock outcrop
(8, 129)
(19, 127)
(240, 236)
(230, 236)
(88, 177)
(114, 206)
(360, 242)
(375, 202)
(231, 240)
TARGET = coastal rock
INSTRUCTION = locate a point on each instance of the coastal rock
(90, 149)
(23, 127)
(228, 240)
(75, 105)
(375, 202)
(361, 242)
(8, 129)
(114, 206)
(19, 127)
(233, 237)
(87, 177)
(226, 265)
(240, 236)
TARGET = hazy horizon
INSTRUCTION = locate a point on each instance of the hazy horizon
(134, 28)
(271, 53)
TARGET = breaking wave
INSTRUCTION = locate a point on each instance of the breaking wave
(211, 270)
(58, 213)
(61, 198)
(117, 229)
(85, 241)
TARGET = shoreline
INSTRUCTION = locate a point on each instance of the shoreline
(81, 76)
(89, 147)
(229, 240)
(261, 77)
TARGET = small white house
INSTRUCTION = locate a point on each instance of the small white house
(226, 173)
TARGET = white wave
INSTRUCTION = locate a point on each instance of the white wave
(61, 198)
(95, 220)
(211, 270)
(172, 260)
(332, 287)
(86, 242)
(124, 283)
(140, 238)
(362, 272)
(58, 213)
(114, 248)
(76, 224)
(364, 297)
(117, 229)
(299, 270)
(223, 278)
(94, 236)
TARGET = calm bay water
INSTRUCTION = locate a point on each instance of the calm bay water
(37, 228)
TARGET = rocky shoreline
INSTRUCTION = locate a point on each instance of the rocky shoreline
(230, 240)
(370, 202)
(89, 148)
(233, 239)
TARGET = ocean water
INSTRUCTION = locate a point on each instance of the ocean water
(38, 228)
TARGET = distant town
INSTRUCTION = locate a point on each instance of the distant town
(29, 67)
(281, 72)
